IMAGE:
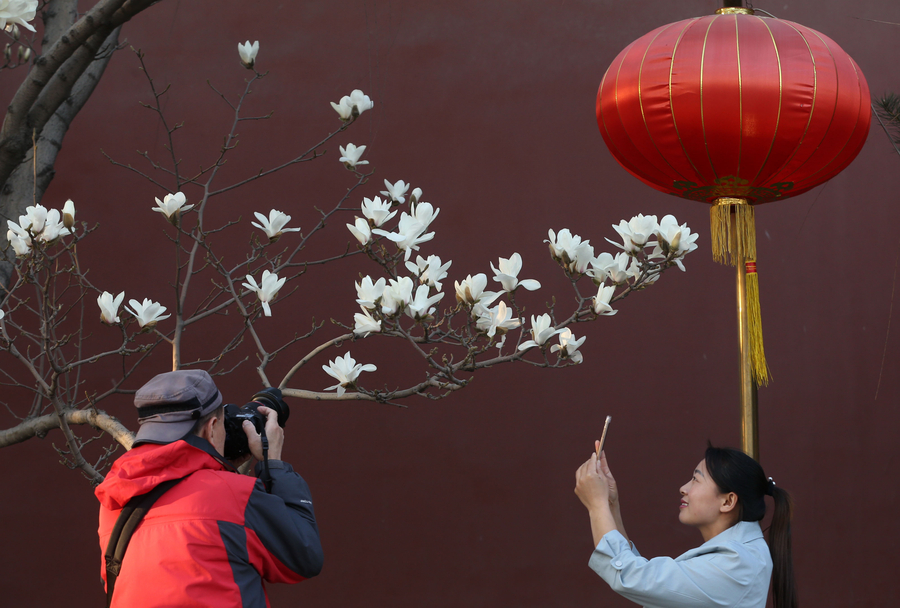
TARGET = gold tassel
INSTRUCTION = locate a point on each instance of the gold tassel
(758, 365)
(732, 242)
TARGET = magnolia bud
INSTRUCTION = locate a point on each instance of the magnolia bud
(7, 52)
(25, 54)
(69, 214)
(14, 32)
(676, 241)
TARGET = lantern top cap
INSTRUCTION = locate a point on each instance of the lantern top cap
(734, 10)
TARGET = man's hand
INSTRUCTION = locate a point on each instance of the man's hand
(274, 433)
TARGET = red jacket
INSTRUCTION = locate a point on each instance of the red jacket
(214, 537)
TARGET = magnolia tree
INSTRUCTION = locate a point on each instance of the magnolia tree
(54, 320)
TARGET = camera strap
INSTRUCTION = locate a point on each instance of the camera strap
(129, 518)
(266, 476)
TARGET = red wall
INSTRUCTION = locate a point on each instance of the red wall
(488, 106)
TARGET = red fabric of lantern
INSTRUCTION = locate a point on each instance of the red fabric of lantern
(734, 105)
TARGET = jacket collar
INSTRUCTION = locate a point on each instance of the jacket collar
(741, 533)
(202, 444)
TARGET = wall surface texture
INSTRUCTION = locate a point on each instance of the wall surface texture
(489, 107)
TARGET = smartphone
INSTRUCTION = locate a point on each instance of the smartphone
(603, 436)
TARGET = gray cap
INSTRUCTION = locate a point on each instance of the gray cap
(171, 403)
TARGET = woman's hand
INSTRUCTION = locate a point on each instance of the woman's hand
(607, 476)
(590, 487)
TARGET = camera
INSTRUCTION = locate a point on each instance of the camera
(235, 438)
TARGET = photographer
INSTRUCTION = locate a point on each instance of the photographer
(207, 536)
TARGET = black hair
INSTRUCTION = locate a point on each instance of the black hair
(735, 471)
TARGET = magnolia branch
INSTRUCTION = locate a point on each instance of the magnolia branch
(41, 425)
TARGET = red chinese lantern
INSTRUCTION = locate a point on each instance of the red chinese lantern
(734, 110)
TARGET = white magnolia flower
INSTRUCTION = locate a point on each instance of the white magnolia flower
(109, 307)
(600, 304)
(420, 306)
(38, 222)
(273, 225)
(267, 290)
(416, 196)
(541, 331)
(17, 230)
(343, 108)
(350, 155)
(425, 214)
(2, 314)
(471, 291)
(53, 227)
(568, 346)
(396, 192)
(636, 232)
(22, 246)
(605, 266)
(361, 101)
(360, 229)
(570, 250)
(345, 370)
(369, 294)
(397, 294)
(248, 53)
(68, 214)
(365, 324)
(148, 312)
(17, 12)
(33, 220)
(582, 257)
(352, 105)
(430, 271)
(172, 206)
(495, 320)
(410, 234)
(377, 211)
(561, 243)
(508, 272)
(674, 239)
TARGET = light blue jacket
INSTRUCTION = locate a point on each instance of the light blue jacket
(731, 569)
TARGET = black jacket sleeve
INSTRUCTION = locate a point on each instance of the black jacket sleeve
(285, 525)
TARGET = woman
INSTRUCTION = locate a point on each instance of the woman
(724, 500)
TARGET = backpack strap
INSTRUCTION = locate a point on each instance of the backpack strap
(129, 518)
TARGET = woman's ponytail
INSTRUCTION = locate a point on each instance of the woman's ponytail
(784, 592)
(734, 471)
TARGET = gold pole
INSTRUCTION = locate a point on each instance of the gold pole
(749, 407)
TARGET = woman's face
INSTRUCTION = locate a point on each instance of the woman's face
(701, 501)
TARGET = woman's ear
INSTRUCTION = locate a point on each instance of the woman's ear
(729, 503)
